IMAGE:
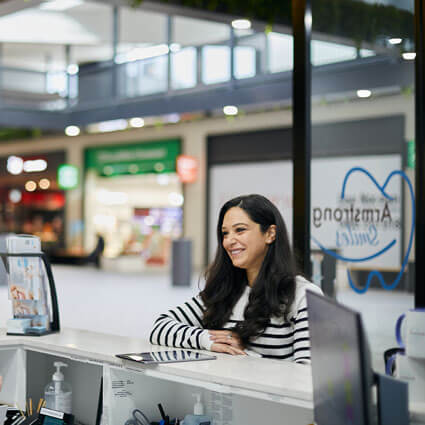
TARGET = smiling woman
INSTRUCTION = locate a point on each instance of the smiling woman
(253, 302)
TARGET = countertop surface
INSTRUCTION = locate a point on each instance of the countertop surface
(271, 377)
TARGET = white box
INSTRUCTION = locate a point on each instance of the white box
(412, 371)
(17, 244)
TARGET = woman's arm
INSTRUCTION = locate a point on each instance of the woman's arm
(182, 327)
(301, 335)
(300, 323)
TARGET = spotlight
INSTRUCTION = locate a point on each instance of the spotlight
(72, 130)
(364, 93)
(230, 110)
(241, 24)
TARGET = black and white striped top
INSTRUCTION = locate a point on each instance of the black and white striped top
(283, 340)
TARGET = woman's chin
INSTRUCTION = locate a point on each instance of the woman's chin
(238, 264)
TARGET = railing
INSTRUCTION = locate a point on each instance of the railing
(174, 70)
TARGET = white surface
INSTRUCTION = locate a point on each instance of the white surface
(274, 378)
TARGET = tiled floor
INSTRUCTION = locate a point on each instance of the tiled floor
(126, 304)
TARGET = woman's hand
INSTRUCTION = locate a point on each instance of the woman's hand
(226, 342)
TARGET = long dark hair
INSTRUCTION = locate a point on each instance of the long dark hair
(274, 288)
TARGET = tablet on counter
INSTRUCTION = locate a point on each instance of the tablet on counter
(170, 356)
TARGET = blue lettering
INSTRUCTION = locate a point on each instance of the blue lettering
(373, 234)
(353, 238)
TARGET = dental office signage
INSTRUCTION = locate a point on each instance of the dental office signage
(356, 217)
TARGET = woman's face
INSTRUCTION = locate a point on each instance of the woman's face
(244, 241)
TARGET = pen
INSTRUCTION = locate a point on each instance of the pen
(161, 410)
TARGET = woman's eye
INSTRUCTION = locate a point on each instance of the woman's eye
(224, 234)
(240, 229)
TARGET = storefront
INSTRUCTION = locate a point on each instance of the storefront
(134, 200)
(31, 199)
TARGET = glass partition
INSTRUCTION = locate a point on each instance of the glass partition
(362, 198)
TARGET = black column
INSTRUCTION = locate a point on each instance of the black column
(420, 154)
(115, 40)
(301, 100)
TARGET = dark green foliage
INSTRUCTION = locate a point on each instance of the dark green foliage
(351, 19)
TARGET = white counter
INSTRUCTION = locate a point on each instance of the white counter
(257, 386)
(275, 378)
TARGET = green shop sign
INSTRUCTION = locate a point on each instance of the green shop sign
(67, 176)
(411, 154)
(139, 158)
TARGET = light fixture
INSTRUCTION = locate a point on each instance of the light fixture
(409, 56)
(172, 118)
(230, 110)
(15, 165)
(15, 196)
(241, 24)
(30, 186)
(395, 40)
(44, 184)
(364, 93)
(36, 165)
(72, 130)
(137, 122)
(59, 5)
(72, 69)
(112, 125)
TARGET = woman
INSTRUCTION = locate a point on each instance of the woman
(253, 302)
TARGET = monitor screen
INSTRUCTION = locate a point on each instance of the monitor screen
(340, 358)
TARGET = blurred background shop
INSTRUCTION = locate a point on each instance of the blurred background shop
(134, 199)
(31, 198)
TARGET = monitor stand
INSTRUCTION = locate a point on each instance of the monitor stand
(393, 404)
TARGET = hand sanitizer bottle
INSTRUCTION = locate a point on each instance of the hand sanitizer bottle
(58, 393)
(198, 416)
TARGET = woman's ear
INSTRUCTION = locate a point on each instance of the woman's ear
(271, 234)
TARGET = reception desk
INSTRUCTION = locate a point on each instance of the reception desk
(237, 390)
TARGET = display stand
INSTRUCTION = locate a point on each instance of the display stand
(54, 323)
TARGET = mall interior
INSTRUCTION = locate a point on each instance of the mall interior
(125, 125)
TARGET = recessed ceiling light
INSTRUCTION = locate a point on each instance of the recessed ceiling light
(15, 196)
(395, 40)
(137, 122)
(72, 130)
(30, 186)
(409, 56)
(44, 184)
(364, 93)
(230, 110)
(72, 69)
(241, 24)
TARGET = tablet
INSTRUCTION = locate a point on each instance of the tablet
(171, 356)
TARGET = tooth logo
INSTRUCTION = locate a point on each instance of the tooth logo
(388, 246)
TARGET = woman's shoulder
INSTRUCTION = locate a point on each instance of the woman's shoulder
(302, 285)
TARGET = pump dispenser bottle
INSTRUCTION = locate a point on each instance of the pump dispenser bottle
(58, 393)
(198, 416)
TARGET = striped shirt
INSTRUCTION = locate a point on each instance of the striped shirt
(283, 340)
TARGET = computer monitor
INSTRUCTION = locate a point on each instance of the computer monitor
(341, 366)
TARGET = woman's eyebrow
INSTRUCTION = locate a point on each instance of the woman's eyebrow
(239, 224)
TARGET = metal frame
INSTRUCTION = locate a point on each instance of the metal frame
(301, 101)
(420, 154)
